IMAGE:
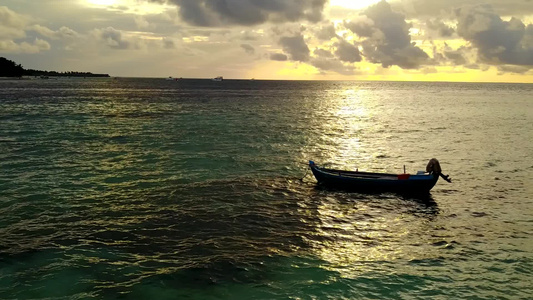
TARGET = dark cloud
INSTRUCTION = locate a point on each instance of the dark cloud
(387, 40)
(248, 12)
(455, 56)
(440, 28)
(512, 69)
(362, 26)
(347, 52)
(326, 33)
(193, 12)
(112, 38)
(334, 65)
(248, 48)
(447, 55)
(322, 53)
(286, 30)
(497, 41)
(296, 47)
(278, 57)
(324, 60)
(481, 67)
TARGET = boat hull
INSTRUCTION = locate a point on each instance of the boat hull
(366, 182)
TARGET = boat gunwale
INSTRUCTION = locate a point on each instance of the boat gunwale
(357, 174)
(368, 175)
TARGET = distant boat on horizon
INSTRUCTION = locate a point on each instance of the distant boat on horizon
(218, 78)
(172, 78)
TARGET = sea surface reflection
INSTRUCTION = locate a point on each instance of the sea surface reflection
(149, 189)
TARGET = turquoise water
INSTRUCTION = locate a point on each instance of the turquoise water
(153, 189)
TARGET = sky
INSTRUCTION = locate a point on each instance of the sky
(400, 40)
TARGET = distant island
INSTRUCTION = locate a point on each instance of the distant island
(9, 68)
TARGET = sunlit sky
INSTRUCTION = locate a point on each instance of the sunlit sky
(426, 40)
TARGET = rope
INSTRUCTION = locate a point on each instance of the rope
(302, 179)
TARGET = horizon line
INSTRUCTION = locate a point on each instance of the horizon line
(358, 80)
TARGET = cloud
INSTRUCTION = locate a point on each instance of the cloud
(324, 60)
(249, 49)
(219, 33)
(326, 33)
(512, 69)
(474, 66)
(386, 38)
(347, 52)
(362, 26)
(112, 38)
(325, 64)
(497, 41)
(41, 45)
(322, 53)
(429, 70)
(248, 12)
(440, 28)
(12, 28)
(9, 18)
(278, 57)
(62, 33)
(296, 47)
(12, 25)
(250, 35)
(455, 56)
(432, 8)
(168, 43)
(36, 46)
(141, 22)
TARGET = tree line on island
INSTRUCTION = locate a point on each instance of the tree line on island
(9, 68)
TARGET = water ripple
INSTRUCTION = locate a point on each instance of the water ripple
(136, 189)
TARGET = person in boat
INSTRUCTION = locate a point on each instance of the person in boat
(433, 167)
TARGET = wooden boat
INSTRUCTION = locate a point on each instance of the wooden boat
(368, 182)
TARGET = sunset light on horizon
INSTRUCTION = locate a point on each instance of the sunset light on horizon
(396, 40)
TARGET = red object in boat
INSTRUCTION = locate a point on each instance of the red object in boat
(403, 176)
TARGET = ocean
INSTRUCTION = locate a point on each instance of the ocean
(132, 188)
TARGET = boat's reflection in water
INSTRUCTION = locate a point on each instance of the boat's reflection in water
(356, 231)
(423, 199)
